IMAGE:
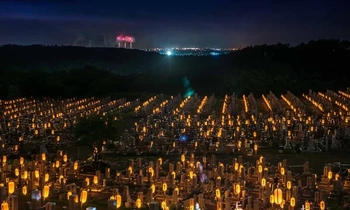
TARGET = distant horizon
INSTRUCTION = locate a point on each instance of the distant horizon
(164, 48)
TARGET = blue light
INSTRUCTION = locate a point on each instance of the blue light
(183, 138)
(169, 52)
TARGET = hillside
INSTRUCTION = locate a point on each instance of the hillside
(75, 71)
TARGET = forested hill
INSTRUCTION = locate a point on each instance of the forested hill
(76, 71)
(51, 58)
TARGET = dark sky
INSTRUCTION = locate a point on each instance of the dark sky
(174, 23)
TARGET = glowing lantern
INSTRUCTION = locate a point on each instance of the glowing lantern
(21, 160)
(153, 187)
(138, 203)
(95, 180)
(260, 168)
(307, 205)
(160, 161)
(163, 205)
(130, 169)
(292, 201)
(191, 174)
(236, 166)
(87, 181)
(4, 206)
(261, 158)
(43, 156)
(282, 204)
(25, 175)
(11, 187)
(282, 171)
(238, 188)
(57, 164)
(16, 172)
(183, 158)
(65, 158)
(61, 178)
(165, 187)
(176, 190)
(263, 182)
(75, 166)
(322, 205)
(173, 174)
(36, 174)
(278, 196)
(24, 190)
(4, 159)
(289, 185)
(46, 191)
(69, 193)
(83, 196)
(330, 174)
(336, 177)
(47, 177)
(118, 198)
(218, 193)
(272, 199)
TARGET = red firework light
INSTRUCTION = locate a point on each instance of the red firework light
(120, 38)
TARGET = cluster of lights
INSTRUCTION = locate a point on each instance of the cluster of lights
(316, 104)
(343, 106)
(203, 102)
(48, 111)
(289, 103)
(224, 105)
(182, 104)
(125, 105)
(267, 102)
(245, 103)
(344, 94)
(325, 96)
(160, 107)
(145, 104)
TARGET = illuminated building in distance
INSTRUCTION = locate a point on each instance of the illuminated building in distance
(125, 41)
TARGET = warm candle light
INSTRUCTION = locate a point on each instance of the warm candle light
(292, 201)
(24, 190)
(4, 206)
(119, 201)
(322, 205)
(95, 180)
(278, 196)
(11, 187)
(218, 193)
(75, 166)
(83, 196)
(165, 187)
(263, 182)
(138, 203)
(46, 191)
(330, 174)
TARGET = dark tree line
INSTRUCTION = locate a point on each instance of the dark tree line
(64, 71)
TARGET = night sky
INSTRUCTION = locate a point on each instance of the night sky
(173, 23)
